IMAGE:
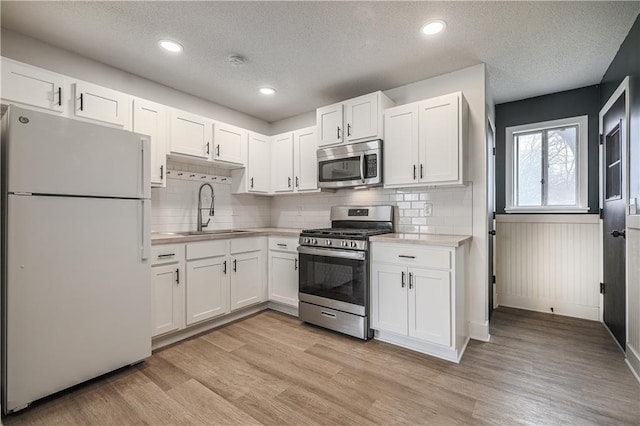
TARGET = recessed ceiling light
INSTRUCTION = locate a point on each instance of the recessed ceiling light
(171, 46)
(267, 90)
(434, 27)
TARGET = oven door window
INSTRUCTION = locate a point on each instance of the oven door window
(333, 278)
(344, 169)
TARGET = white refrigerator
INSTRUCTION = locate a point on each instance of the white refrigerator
(75, 246)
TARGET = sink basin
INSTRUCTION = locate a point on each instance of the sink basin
(188, 233)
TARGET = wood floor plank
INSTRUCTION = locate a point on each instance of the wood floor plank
(273, 369)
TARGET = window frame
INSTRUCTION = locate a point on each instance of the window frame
(582, 166)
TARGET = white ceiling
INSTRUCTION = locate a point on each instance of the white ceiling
(317, 53)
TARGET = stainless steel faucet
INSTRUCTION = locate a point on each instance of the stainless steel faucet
(211, 209)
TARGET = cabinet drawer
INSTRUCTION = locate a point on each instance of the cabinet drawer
(169, 253)
(411, 255)
(283, 243)
(243, 245)
(204, 249)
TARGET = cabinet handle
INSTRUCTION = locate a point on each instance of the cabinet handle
(208, 148)
(414, 172)
(348, 129)
(297, 182)
(60, 96)
(224, 267)
(235, 265)
(218, 150)
(81, 102)
(295, 264)
(164, 256)
(338, 132)
(177, 275)
(406, 256)
(281, 245)
(410, 280)
(251, 182)
(161, 172)
(289, 182)
(421, 171)
(404, 283)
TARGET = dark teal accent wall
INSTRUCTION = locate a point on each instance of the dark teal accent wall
(572, 103)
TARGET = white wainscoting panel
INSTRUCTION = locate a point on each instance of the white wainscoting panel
(549, 261)
(633, 293)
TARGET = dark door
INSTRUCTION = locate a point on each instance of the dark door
(614, 219)
(491, 204)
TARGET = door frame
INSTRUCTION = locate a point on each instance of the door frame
(491, 162)
(623, 89)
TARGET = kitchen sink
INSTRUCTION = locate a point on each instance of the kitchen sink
(208, 232)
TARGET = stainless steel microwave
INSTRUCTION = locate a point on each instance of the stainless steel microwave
(357, 164)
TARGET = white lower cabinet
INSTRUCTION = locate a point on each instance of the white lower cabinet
(207, 289)
(167, 288)
(247, 279)
(283, 271)
(418, 298)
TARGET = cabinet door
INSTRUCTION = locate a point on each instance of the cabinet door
(247, 279)
(259, 161)
(190, 134)
(101, 104)
(389, 298)
(229, 143)
(305, 159)
(207, 288)
(150, 119)
(329, 121)
(401, 145)
(440, 140)
(32, 87)
(430, 305)
(166, 298)
(362, 118)
(282, 163)
(283, 278)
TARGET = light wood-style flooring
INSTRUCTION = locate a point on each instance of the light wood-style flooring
(272, 369)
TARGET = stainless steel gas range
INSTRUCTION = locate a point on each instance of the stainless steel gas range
(334, 269)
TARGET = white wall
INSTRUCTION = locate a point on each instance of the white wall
(34, 52)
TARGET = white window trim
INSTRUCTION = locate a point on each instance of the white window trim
(583, 166)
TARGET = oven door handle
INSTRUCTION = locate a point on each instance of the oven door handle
(343, 254)
(362, 167)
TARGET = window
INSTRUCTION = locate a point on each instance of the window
(547, 167)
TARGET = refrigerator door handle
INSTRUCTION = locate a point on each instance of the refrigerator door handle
(145, 223)
(145, 168)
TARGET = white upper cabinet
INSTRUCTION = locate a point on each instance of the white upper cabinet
(33, 87)
(100, 104)
(190, 134)
(259, 162)
(401, 145)
(330, 123)
(229, 143)
(425, 142)
(150, 119)
(305, 145)
(282, 162)
(355, 120)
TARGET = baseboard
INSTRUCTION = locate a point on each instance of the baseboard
(285, 309)
(438, 351)
(543, 305)
(162, 341)
(479, 331)
(633, 361)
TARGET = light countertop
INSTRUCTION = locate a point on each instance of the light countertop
(175, 238)
(425, 239)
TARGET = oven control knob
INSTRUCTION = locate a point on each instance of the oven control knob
(327, 242)
(345, 244)
(354, 244)
(305, 241)
(314, 241)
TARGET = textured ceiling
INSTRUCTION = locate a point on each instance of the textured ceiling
(317, 53)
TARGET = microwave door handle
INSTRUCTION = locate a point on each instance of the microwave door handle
(362, 167)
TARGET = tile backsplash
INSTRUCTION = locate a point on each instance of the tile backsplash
(419, 210)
